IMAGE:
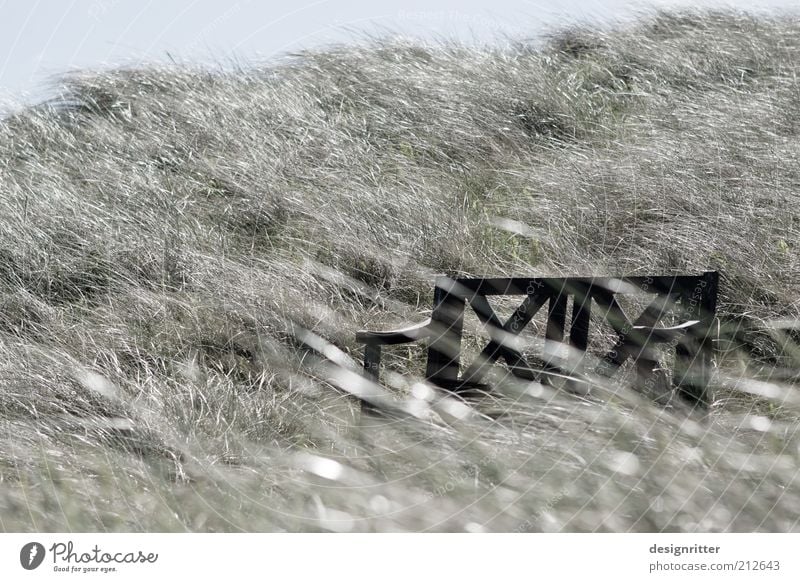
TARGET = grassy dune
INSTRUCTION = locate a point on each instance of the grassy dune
(169, 236)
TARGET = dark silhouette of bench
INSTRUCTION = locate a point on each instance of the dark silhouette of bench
(693, 298)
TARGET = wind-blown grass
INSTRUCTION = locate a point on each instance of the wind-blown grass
(166, 234)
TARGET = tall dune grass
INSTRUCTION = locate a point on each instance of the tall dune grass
(186, 254)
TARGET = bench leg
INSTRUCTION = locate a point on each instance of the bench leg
(693, 355)
(579, 337)
(444, 350)
(372, 370)
(554, 334)
(693, 372)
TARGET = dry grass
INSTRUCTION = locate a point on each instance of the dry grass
(165, 233)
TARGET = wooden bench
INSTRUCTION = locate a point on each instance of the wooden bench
(691, 297)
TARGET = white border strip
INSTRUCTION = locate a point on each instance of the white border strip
(401, 557)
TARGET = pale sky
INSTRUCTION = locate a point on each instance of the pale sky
(40, 39)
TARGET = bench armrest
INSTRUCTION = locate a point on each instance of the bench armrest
(397, 336)
(664, 334)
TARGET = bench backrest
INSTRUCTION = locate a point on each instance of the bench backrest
(694, 296)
